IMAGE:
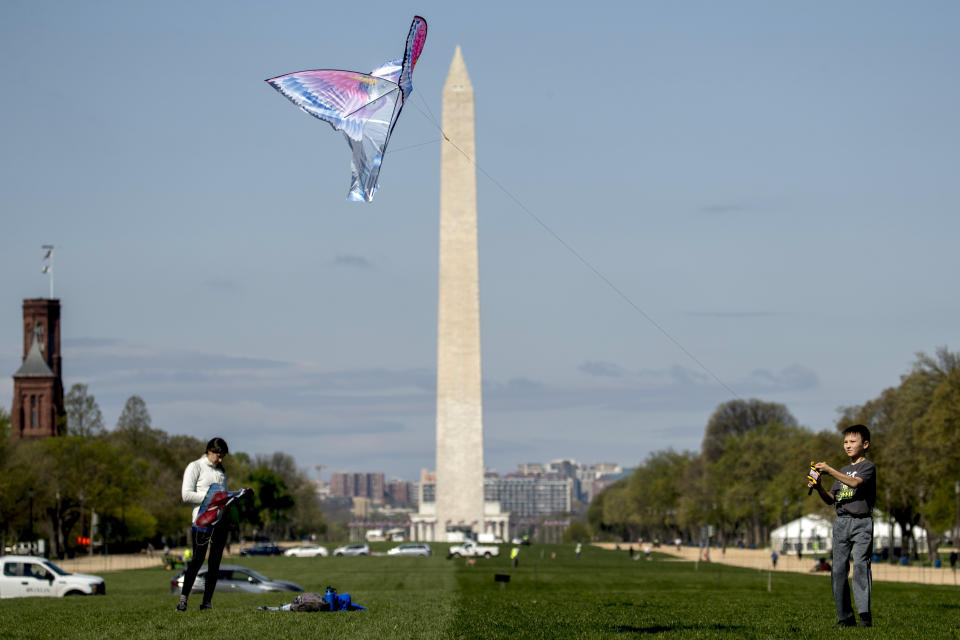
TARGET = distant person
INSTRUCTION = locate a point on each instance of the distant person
(579, 549)
(854, 493)
(515, 556)
(953, 560)
(678, 541)
(773, 558)
(821, 565)
(197, 478)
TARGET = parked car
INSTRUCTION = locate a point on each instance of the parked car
(352, 550)
(25, 576)
(307, 551)
(421, 549)
(235, 579)
(262, 549)
(471, 549)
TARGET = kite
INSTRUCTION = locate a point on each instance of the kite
(364, 106)
(212, 509)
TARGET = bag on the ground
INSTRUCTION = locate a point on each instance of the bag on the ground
(310, 602)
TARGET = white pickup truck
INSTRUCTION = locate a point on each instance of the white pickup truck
(471, 549)
(24, 576)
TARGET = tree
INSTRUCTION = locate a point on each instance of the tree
(656, 491)
(737, 417)
(134, 416)
(133, 425)
(272, 499)
(914, 441)
(577, 532)
(83, 413)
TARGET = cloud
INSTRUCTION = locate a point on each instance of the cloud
(384, 419)
(602, 369)
(88, 342)
(792, 378)
(735, 314)
(724, 208)
(223, 285)
(356, 262)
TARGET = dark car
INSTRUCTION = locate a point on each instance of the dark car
(262, 549)
(235, 579)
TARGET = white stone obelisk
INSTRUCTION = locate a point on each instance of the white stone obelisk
(459, 488)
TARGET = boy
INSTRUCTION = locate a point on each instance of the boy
(854, 493)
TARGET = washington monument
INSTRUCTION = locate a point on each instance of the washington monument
(459, 403)
(459, 503)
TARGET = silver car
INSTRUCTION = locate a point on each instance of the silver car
(307, 551)
(235, 579)
(352, 550)
(421, 549)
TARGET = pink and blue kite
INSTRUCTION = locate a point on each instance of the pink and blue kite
(364, 106)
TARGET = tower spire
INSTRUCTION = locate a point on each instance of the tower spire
(459, 488)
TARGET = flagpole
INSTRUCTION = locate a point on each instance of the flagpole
(49, 269)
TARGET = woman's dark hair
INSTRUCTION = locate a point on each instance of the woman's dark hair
(218, 445)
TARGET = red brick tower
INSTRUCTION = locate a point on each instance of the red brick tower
(38, 410)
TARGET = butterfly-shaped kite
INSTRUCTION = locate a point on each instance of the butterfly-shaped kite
(364, 106)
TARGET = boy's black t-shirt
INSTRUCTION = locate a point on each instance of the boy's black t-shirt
(856, 502)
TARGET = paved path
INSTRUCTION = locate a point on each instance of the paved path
(760, 559)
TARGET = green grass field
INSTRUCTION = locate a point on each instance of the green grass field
(602, 595)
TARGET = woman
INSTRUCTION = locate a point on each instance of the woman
(197, 478)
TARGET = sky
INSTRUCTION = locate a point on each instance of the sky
(680, 204)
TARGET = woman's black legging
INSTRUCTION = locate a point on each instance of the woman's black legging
(218, 539)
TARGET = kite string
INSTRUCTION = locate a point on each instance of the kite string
(566, 245)
(412, 146)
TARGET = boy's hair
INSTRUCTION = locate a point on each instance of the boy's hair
(218, 445)
(859, 428)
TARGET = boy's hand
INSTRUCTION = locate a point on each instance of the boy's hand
(823, 467)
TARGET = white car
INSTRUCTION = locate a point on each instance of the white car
(421, 549)
(25, 576)
(471, 549)
(352, 550)
(307, 551)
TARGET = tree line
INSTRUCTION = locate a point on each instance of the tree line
(131, 478)
(749, 475)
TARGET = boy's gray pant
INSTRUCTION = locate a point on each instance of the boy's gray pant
(852, 540)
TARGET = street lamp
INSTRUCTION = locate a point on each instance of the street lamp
(58, 534)
(956, 532)
(763, 525)
(30, 493)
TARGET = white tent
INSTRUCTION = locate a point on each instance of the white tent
(881, 535)
(815, 533)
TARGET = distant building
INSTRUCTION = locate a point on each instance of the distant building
(594, 478)
(531, 468)
(401, 493)
(357, 485)
(38, 410)
(427, 488)
(530, 495)
(361, 508)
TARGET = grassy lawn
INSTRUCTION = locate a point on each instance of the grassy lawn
(602, 595)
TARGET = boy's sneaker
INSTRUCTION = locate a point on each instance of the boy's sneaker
(846, 622)
(182, 605)
(865, 620)
(206, 605)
